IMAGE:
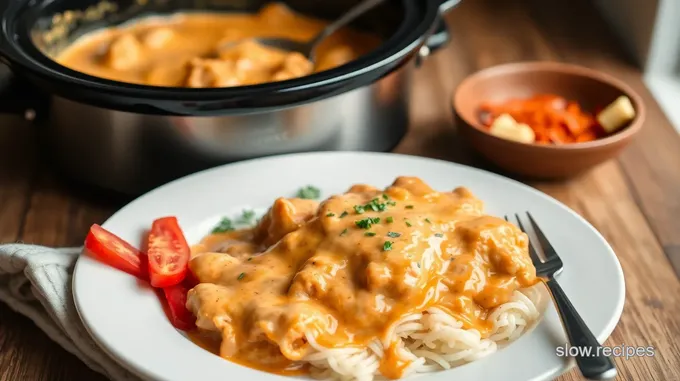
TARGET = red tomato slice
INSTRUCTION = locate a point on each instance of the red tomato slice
(114, 251)
(168, 253)
(180, 316)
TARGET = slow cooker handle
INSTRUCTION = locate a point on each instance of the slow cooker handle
(447, 5)
(440, 37)
(440, 34)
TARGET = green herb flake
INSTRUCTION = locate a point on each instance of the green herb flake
(344, 232)
(408, 224)
(389, 219)
(246, 218)
(391, 203)
(240, 276)
(330, 214)
(366, 223)
(393, 235)
(409, 206)
(387, 246)
(376, 205)
(385, 197)
(369, 234)
(438, 235)
(343, 214)
(428, 221)
(250, 259)
(359, 209)
(418, 264)
(309, 192)
(225, 225)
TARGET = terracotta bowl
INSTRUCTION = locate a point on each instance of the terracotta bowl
(588, 87)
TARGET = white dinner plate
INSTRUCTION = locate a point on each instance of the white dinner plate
(127, 320)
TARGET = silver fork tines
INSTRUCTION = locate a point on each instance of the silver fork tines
(596, 366)
(535, 258)
(552, 265)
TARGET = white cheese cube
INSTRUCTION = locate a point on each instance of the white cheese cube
(503, 120)
(617, 114)
(506, 127)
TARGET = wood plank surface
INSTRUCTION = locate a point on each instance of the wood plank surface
(632, 201)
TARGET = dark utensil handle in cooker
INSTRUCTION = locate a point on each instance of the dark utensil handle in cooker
(595, 366)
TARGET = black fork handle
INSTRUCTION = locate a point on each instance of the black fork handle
(595, 366)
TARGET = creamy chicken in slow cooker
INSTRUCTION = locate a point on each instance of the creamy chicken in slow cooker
(201, 50)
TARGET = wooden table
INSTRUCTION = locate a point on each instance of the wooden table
(632, 201)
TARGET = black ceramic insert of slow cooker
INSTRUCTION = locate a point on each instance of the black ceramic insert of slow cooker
(404, 24)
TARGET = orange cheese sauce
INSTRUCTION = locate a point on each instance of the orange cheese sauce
(393, 366)
(211, 49)
(210, 341)
(344, 270)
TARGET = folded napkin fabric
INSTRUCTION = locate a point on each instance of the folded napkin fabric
(35, 281)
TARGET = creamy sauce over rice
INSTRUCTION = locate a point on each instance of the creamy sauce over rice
(342, 273)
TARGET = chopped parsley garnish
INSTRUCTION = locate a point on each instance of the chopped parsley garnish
(389, 219)
(387, 246)
(388, 201)
(366, 223)
(246, 217)
(438, 235)
(309, 192)
(343, 232)
(369, 234)
(343, 214)
(408, 224)
(376, 205)
(418, 264)
(240, 276)
(250, 259)
(393, 235)
(225, 225)
(428, 221)
(409, 206)
(330, 214)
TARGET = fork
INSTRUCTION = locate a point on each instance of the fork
(596, 366)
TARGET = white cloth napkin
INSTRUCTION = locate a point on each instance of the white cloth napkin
(35, 281)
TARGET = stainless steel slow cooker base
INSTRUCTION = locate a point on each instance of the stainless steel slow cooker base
(132, 153)
(131, 138)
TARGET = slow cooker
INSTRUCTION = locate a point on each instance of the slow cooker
(131, 138)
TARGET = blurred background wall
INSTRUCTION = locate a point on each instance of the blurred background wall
(650, 31)
(633, 21)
